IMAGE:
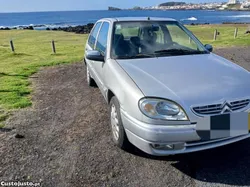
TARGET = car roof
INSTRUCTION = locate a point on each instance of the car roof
(117, 19)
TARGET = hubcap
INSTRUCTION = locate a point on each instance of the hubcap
(114, 123)
(88, 76)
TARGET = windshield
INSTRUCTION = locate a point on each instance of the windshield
(147, 39)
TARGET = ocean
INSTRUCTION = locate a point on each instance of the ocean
(42, 20)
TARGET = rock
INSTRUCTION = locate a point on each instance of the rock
(234, 23)
(5, 28)
(80, 29)
(199, 24)
(19, 136)
(90, 25)
(28, 28)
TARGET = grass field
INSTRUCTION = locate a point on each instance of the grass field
(226, 38)
(33, 50)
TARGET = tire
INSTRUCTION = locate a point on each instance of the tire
(90, 80)
(119, 136)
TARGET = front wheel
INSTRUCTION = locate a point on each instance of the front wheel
(90, 80)
(118, 132)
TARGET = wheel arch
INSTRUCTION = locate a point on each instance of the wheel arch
(110, 94)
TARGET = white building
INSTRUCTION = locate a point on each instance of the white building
(245, 4)
(232, 2)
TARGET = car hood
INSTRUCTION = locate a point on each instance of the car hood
(190, 79)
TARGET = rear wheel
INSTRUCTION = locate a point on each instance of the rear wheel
(90, 80)
(118, 133)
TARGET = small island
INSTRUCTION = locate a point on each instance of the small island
(113, 8)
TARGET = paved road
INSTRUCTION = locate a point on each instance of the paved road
(67, 142)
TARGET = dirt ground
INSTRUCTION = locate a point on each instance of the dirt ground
(67, 142)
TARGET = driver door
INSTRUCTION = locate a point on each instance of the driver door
(101, 46)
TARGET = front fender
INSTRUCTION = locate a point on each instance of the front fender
(123, 87)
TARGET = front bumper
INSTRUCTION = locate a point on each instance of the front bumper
(184, 138)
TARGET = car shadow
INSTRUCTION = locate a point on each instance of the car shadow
(228, 164)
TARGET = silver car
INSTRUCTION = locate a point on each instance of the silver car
(167, 92)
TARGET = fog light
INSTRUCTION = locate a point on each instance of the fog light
(163, 146)
(171, 146)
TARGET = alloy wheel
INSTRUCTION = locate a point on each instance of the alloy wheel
(114, 123)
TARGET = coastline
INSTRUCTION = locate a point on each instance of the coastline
(85, 29)
(225, 10)
(50, 20)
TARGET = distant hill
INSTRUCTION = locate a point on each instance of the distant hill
(234, 7)
(113, 8)
(172, 4)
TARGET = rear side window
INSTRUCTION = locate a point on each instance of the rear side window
(101, 44)
(93, 35)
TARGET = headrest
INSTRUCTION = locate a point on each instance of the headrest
(118, 38)
(154, 36)
(135, 40)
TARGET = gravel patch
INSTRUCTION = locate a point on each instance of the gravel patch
(65, 140)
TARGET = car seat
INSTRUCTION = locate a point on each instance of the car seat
(120, 46)
(149, 41)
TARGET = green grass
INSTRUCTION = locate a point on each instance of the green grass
(225, 39)
(33, 50)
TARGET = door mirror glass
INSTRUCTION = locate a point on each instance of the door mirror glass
(209, 47)
(95, 56)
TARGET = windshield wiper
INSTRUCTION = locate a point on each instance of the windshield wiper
(179, 51)
(136, 56)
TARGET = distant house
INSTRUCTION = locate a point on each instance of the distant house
(232, 2)
(245, 4)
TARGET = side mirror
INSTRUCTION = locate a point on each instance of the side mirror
(209, 47)
(95, 56)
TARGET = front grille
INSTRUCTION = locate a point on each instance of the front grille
(218, 108)
(237, 105)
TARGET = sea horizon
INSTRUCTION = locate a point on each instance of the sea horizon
(44, 11)
(55, 19)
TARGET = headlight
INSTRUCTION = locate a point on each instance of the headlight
(162, 109)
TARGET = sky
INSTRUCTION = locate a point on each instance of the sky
(61, 5)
